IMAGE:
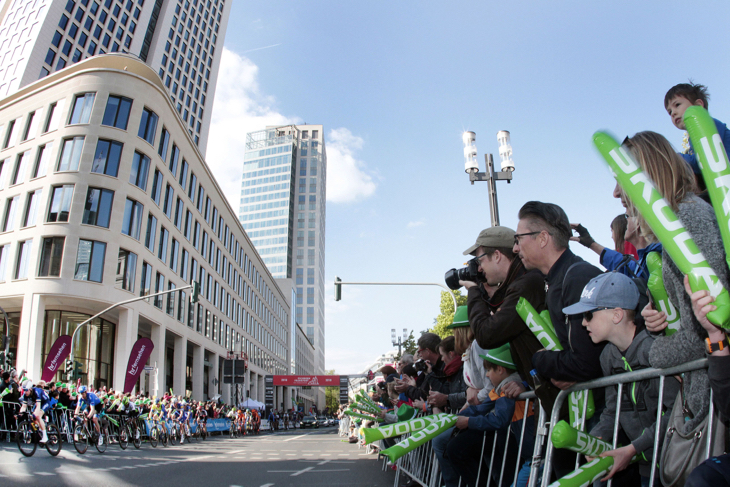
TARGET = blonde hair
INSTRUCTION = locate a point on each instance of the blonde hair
(671, 175)
(463, 337)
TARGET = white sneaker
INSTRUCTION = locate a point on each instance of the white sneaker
(136, 434)
(101, 440)
(44, 439)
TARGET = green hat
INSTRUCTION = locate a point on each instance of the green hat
(60, 384)
(461, 318)
(500, 356)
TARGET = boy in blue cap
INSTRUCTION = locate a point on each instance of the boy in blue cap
(608, 304)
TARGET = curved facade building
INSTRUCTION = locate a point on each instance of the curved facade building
(104, 197)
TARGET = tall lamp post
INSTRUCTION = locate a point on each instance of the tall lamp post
(397, 342)
(471, 166)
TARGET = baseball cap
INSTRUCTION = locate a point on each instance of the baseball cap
(493, 237)
(609, 290)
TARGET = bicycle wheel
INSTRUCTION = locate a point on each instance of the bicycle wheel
(54, 443)
(163, 437)
(81, 439)
(102, 441)
(136, 437)
(187, 433)
(154, 436)
(232, 431)
(123, 437)
(26, 442)
(173, 435)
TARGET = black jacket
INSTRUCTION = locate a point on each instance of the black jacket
(432, 381)
(719, 375)
(580, 358)
(495, 322)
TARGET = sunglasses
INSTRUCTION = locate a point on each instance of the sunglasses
(518, 235)
(588, 315)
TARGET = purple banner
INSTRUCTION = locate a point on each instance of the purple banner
(141, 351)
(59, 351)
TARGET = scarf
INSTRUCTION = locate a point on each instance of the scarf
(453, 367)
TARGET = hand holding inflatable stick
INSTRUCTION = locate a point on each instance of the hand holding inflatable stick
(545, 333)
(430, 432)
(397, 429)
(655, 284)
(670, 231)
(565, 436)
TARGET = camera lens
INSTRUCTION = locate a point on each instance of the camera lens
(452, 279)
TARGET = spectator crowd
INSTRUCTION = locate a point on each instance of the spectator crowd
(606, 322)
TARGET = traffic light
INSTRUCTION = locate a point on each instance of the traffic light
(371, 375)
(338, 288)
(3, 341)
(69, 369)
(77, 370)
(9, 360)
(195, 292)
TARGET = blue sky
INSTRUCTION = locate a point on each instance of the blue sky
(396, 83)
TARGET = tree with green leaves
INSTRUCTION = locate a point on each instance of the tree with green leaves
(331, 394)
(446, 317)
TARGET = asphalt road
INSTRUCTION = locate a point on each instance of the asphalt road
(294, 458)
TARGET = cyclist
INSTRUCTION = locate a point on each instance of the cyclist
(129, 408)
(37, 399)
(92, 401)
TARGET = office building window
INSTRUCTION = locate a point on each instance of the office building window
(149, 240)
(170, 299)
(157, 187)
(98, 207)
(174, 254)
(116, 113)
(90, 261)
(148, 125)
(184, 174)
(71, 154)
(51, 257)
(167, 207)
(164, 142)
(126, 270)
(146, 279)
(11, 207)
(174, 159)
(23, 259)
(81, 111)
(162, 247)
(132, 222)
(106, 159)
(159, 287)
(31, 208)
(41, 162)
(54, 116)
(140, 170)
(60, 203)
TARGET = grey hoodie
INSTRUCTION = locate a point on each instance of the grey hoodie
(687, 343)
(639, 399)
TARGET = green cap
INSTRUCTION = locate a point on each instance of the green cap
(60, 384)
(461, 318)
(500, 356)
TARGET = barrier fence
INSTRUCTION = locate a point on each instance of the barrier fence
(421, 464)
(63, 419)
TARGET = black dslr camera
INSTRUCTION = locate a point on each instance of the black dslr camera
(420, 365)
(468, 273)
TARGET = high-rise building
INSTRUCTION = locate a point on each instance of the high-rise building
(104, 197)
(283, 210)
(182, 40)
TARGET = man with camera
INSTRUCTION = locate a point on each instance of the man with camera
(493, 291)
(428, 344)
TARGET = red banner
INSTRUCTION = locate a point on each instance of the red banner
(141, 351)
(59, 351)
(307, 380)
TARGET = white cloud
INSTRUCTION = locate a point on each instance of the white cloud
(415, 224)
(240, 107)
(348, 179)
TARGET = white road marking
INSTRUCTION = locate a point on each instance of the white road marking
(44, 473)
(300, 436)
(301, 471)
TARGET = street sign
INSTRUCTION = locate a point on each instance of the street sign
(148, 368)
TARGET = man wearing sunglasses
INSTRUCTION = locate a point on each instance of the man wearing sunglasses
(494, 319)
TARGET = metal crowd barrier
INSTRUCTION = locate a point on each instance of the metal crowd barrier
(422, 466)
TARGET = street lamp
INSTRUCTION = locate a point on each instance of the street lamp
(471, 166)
(397, 341)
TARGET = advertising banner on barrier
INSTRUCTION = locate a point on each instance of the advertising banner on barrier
(307, 380)
(141, 351)
(212, 425)
(59, 351)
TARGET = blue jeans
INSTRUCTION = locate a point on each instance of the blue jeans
(448, 475)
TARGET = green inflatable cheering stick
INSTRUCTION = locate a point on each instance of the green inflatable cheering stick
(714, 165)
(565, 436)
(670, 231)
(397, 429)
(655, 284)
(540, 325)
(430, 432)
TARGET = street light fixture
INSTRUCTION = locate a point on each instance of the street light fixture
(397, 341)
(471, 167)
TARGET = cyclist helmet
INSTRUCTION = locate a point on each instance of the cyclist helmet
(27, 385)
(82, 389)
